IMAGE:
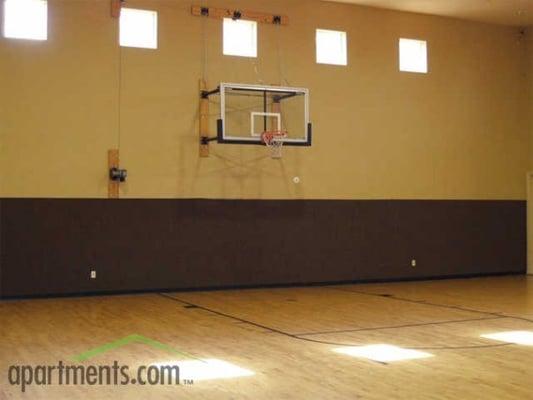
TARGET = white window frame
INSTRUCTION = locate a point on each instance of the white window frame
(38, 29)
(145, 43)
(413, 66)
(340, 59)
(231, 49)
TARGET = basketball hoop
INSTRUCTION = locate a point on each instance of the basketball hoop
(274, 141)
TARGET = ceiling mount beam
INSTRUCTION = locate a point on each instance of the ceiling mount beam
(235, 14)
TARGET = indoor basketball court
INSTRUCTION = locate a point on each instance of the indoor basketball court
(292, 199)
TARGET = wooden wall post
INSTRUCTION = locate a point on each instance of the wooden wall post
(204, 121)
(116, 6)
(113, 161)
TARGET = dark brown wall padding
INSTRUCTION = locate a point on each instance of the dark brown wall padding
(49, 246)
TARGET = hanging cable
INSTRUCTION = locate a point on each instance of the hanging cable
(281, 65)
(119, 98)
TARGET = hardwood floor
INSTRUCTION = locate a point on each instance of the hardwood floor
(285, 339)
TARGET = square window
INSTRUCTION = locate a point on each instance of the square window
(383, 353)
(26, 19)
(240, 38)
(138, 28)
(331, 47)
(413, 56)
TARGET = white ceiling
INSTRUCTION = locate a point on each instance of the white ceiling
(505, 12)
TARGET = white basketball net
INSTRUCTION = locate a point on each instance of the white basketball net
(274, 141)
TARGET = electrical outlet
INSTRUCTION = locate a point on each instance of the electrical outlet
(413, 263)
(93, 274)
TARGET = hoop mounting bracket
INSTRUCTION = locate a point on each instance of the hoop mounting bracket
(236, 14)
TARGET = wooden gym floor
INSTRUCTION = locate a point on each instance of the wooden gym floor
(286, 336)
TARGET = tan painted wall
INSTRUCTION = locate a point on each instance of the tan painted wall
(529, 56)
(458, 132)
(529, 60)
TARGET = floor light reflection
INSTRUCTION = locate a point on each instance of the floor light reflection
(382, 353)
(517, 337)
(207, 369)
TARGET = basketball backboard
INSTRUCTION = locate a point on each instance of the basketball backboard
(247, 111)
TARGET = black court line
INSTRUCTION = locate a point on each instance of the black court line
(422, 302)
(306, 339)
(427, 303)
(469, 347)
(196, 306)
(255, 324)
(451, 321)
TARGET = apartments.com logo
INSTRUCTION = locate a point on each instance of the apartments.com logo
(115, 374)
